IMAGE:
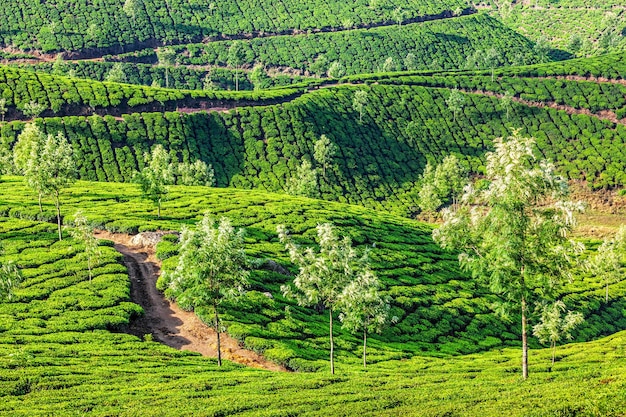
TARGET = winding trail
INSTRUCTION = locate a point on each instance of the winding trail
(164, 320)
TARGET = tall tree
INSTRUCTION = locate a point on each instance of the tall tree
(57, 169)
(82, 232)
(196, 173)
(363, 306)
(455, 101)
(324, 151)
(166, 58)
(607, 262)
(444, 183)
(359, 101)
(236, 58)
(116, 74)
(131, 8)
(510, 236)
(3, 108)
(553, 326)
(324, 274)
(304, 182)
(158, 173)
(505, 102)
(211, 269)
(410, 62)
(25, 156)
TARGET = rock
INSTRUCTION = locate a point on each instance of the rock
(148, 239)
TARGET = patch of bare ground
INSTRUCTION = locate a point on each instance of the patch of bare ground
(163, 319)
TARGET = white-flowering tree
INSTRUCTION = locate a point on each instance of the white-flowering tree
(455, 101)
(444, 183)
(196, 173)
(505, 102)
(131, 8)
(211, 269)
(607, 262)
(359, 101)
(26, 157)
(158, 173)
(304, 182)
(324, 273)
(554, 326)
(336, 70)
(513, 235)
(57, 170)
(82, 232)
(236, 58)
(116, 74)
(33, 109)
(363, 307)
(324, 151)
(166, 58)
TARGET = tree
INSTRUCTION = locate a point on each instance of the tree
(359, 101)
(323, 274)
(410, 62)
(511, 238)
(455, 101)
(607, 262)
(398, 15)
(25, 153)
(491, 57)
(324, 151)
(58, 66)
(553, 326)
(3, 108)
(166, 58)
(57, 170)
(207, 83)
(505, 102)
(336, 70)
(196, 173)
(84, 234)
(116, 74)
(443, 183)
(210, 270)
(363, 307)
(154, 179)
(132, 8)
(304, 182)
(389, 65)
(10, 277)
(259, 77)
(347, 23)
(236, 57)
(541, 49)
(33, 109)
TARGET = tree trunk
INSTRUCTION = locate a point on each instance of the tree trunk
(607, 292)
(167, 78)
(57, 203)
(524, 341)
(364, 347)
(159, 208)
(553, 351)
(332, 347)
(217, 330)
(40, 208)
(236, 78)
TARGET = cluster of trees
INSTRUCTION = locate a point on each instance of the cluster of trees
(162, 169)
(446, 44)
(68, 26)
(47, 164)
(338, 278)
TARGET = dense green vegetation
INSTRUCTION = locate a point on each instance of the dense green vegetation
(379, 160)
(61, 357)
(180, 77)
(598, 25)
(59, 94)
(445, 44)
(69, 26)
(440, 311)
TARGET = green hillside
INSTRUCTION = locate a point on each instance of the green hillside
(62, 356)
(442, 44)
(69, 26)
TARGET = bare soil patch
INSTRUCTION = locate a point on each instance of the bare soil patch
(164, 320)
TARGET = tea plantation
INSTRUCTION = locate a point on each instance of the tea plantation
(59, 331)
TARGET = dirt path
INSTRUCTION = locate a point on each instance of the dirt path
(164, 320)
